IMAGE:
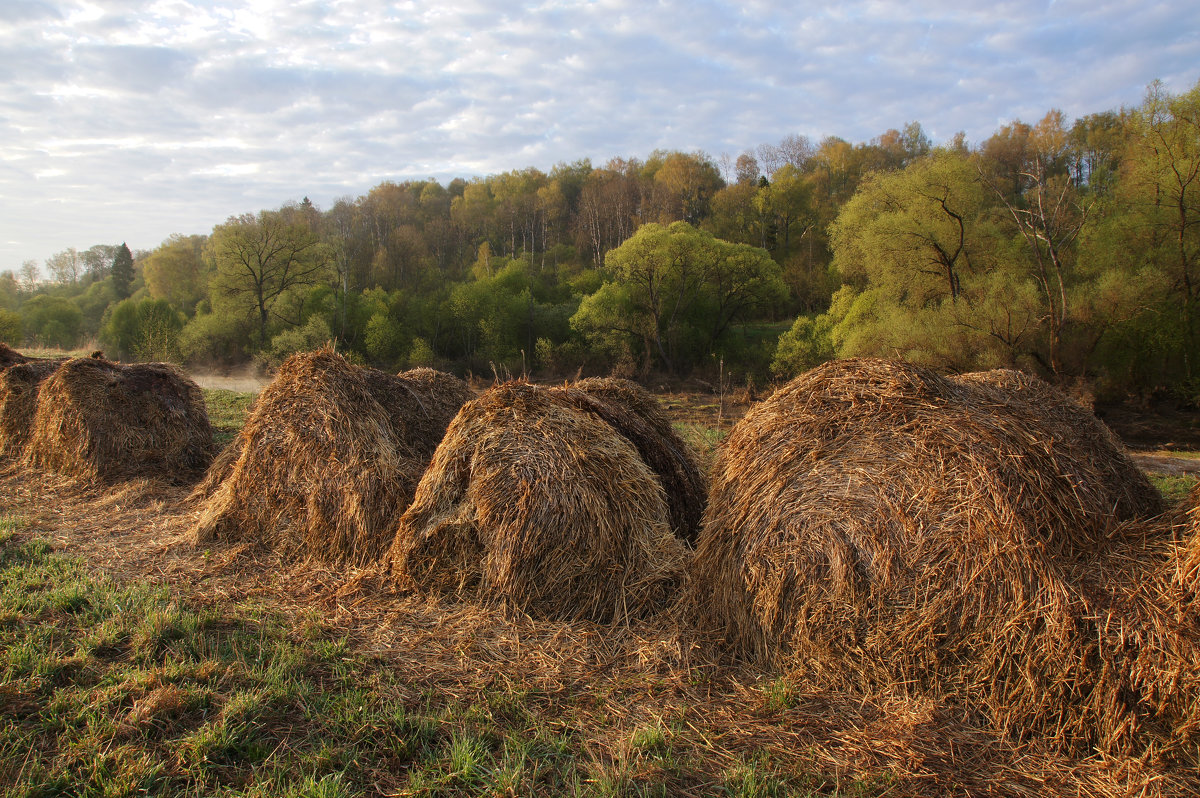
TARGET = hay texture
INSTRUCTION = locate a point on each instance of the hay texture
(536, 503)
(19, 387)
(880, 526)
(634, 413)
(328, 459)
(110, 422)
(10, 357)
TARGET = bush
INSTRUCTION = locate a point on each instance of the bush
(312, 336)
(10, 327)
(146, 330)
(214, 339)
(52, 321)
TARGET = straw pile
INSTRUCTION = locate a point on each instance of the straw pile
(637, 416)
(533, 502)
(9, 356)
(108, 422)
(886, 528)
(19, 386)
(328, 459)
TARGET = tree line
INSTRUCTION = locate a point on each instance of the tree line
(1065, 248)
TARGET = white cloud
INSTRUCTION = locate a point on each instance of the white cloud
(133, 119)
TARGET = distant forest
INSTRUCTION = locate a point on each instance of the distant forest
(1070, 249)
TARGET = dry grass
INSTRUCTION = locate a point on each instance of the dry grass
(109, 422)
(634, 413)
(327, 460)
(19, 386)
(532, 501)
(877, 527)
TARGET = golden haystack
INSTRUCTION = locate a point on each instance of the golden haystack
(9, 356)
(327, 460)
(634, 413)
(107, 421)
(19, 386)
(882, 526)
(534, 502)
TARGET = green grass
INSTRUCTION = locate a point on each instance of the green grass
(703, 440)
(227, 411)
(1174, 487)
(113, 690)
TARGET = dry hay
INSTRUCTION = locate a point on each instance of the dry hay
(108, 422)
(531, 501)
(328, 459)
(10, 356)
(634, 413)
(880, 526)
(19, 387)
(1082, 445)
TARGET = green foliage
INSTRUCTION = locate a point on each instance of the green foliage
(421, 354)
(52, 321)
(215, 339)
(122, 271)
(312, 335)
(175, 271)
(11, 331)
(673, 292)
(808, 344)
(260, 259)
(146, 329)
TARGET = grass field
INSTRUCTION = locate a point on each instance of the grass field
(132, 663)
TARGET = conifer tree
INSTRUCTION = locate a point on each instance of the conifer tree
(122, 271)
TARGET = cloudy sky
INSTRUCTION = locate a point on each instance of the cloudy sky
(131, 120)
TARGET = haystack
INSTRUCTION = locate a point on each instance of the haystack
(534, 502)
(327, 460)
(19, 386)
(108, 422)
(881, 526)
(9, 356)
(634, 413)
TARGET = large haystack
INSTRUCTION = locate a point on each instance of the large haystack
(10, 357)
(107, 421)
(328, 459)
(880, 525)
(19, 387)
(633, 412)
(537, 503)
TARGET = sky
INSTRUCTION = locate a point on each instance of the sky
(127, 120)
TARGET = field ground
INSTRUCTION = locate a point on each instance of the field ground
(134, 663)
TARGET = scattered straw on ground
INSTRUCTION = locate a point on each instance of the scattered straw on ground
(879, 527)
(97, 420)
(533, 501)
(327, 460)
